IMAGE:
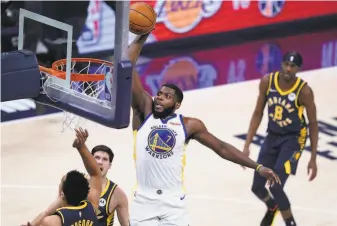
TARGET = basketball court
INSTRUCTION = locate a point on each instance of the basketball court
(35, 154)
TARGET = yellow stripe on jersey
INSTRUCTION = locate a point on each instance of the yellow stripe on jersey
(109, 199)
(302, 138)
(106, 188)
(271, 75)
(298, 93)
(287, 167)
(134, 145)
(183, 163)
(281, 92)
(135, 155)
(62, 217)
(110, 220)
(75, 207)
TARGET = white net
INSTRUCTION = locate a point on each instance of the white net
(94, 89)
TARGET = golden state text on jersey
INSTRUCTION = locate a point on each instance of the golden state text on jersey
(284, 111)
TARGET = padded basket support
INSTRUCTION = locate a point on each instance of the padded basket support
(20, 75)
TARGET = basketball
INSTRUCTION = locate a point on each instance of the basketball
(142, 18)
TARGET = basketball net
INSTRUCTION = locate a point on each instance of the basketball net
(92, 89)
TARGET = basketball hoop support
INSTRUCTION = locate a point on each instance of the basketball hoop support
(53, 23)
(121, 90)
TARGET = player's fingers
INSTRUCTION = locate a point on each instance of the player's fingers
(80, 138)
(86, 133)
(277, 178)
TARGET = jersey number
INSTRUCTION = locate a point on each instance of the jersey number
(278, 113)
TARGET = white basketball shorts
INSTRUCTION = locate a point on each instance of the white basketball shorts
(158, 208)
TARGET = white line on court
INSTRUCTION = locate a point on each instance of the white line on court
(191, 196)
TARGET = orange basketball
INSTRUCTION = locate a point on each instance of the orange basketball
(142, 18)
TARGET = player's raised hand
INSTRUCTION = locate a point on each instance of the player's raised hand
(81, 137)
(271, 176)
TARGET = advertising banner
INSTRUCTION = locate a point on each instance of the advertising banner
(238, 63)
(184, 19)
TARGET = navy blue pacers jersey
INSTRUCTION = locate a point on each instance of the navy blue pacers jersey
(104, 216)
(84, 214)
(284, 112)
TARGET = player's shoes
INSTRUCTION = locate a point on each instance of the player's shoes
(269, 217)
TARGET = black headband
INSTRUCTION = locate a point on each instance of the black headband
(293, 57)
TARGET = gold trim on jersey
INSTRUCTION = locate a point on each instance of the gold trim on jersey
(105, 188)
(281, 92)
(109, 199)
(110, 219)
(85, 204)
(61, 215)
(183, 162)
(301, 141)
(270, 82)
(298, 93)
(134, 145)
(135, 156)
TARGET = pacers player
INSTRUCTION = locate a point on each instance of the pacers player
(79, 201)
(160, 139)
(286, 96)
(112, 196)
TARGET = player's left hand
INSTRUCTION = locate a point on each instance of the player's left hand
(312, 169)
(271, 176)
(81, 137)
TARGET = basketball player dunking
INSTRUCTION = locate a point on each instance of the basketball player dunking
(79, 201)
(159, 152)
(112, 196)
(286, 96)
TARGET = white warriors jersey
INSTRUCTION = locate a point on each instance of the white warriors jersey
(159, 153)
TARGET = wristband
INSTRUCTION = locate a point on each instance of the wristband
(258, 167)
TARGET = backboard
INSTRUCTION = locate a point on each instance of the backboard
(112, 109)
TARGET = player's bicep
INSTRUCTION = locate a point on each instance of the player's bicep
(95, 191)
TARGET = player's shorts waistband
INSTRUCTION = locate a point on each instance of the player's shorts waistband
(159, 191)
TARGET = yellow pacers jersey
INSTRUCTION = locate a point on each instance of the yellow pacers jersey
(284, 112)
(159, 153)
(106, 218)
(78, 215)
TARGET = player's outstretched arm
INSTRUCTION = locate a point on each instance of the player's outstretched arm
(141, 100)
(258, 112)
(306, 98)
(199, 132)
(46, 214)
(90, 165)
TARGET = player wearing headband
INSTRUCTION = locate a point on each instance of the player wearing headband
(286, 96)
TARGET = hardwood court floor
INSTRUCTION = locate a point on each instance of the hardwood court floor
(35, 154)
